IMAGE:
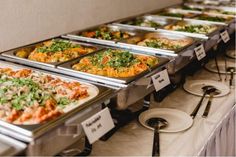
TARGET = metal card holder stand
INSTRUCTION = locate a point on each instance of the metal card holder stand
(121, 118)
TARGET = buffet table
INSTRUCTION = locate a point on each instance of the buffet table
(207, 136)
(84, 74)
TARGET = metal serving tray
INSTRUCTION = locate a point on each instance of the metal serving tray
(229, 5)
(120, 82)
(227, 23)
(209, 40)
(28, 133)
(10, 147)
(226, 9)
(76, 35)
(160, 21)
(175, 11)
(195, 35)
(204, 9)
(182, 9)
(131, 43)
(11, 54)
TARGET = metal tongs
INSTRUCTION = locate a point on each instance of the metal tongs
(206, 90)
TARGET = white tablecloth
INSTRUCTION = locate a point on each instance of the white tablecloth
(222, 140)
(214, 135)
(199, 137)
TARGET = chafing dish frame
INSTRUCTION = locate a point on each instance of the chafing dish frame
(28, 133)
(161, 21)
(37, 64)
(120, 82)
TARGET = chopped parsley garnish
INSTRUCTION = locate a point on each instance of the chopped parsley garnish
(211, 18)
(21, 92)
(63, 101)
(57, 45)
(161, 45)
(113, 58)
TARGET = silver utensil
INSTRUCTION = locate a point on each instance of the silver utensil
(157, 124)
(218, 69)
(231, 70)
(212, 91)
(205, 89)
(225, 60)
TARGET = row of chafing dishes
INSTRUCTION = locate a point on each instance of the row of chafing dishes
(66, 130)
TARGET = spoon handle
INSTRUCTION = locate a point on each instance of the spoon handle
(231, 78)
(194, 113)
(218, 69)
(208, 106)
(156, 142)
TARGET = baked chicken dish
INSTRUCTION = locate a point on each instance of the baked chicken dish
(28, 97)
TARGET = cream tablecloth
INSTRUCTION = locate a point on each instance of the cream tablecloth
(214, 135)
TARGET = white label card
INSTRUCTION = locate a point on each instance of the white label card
(225, 36)
(98, 125)
(160, 80)
(200, 52)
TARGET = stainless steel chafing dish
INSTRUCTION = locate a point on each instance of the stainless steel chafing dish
(179, 57)
(131, 43)
(137, 86)
(229, 24)
(160, 21)
(120, 82)
(188, 8)
(77, 35)
(11, 54)
(215, 10)
(177, 14)
(124, 85)
(210, 39)
(65, 129)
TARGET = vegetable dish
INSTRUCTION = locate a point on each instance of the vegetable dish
(56, 50)
(105, 33)
(115, 63)
(191, 28)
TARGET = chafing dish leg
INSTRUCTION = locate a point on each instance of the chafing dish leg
(120, 118)
(87, 148)
(146, 105)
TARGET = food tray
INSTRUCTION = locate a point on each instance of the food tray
(193, 22)
(76, 35)
(10, 147)
(226, 11)
(131, 43)
(189, 8)
(30, 132)
(210, 39)
(160, 21)
(227, 21)
(11, 54)
(196, 9)
(232, 5)
(121, 82)
(178, 14)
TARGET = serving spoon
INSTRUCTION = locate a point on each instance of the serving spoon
(231, 70)
(156, 123)
(205, 89)
(212, 91)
